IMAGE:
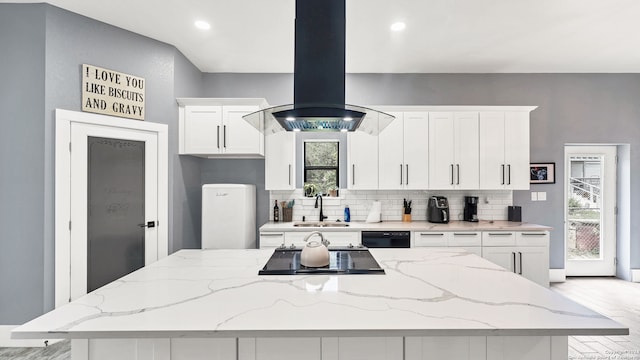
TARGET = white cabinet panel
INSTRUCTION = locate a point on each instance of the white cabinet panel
(238, 136)
(362, 171)
(271, 240)
(285, 349)
(203, 349)
(518, 347)
(430, 239)
(446, 347)
(201, 130)
(466, 238)
(416, 150)
(453, 152)
(390, 155)
(504, 150)
(279, 162)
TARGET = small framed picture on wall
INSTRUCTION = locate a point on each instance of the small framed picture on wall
(542, 173)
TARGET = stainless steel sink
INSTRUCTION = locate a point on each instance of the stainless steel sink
(320, 224)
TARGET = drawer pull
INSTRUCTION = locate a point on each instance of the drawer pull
(431, 234)
(534, 234)
(465, 234)
(500, 234)
(272, 234)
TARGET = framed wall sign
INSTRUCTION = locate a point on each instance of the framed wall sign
(542, 173)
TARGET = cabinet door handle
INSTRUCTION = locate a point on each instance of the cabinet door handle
(458, 170)
(407, 177)
(451, 174)
(465, 234)
(431, 234)
(401, 179)
(513, 257)
(289, 174)
(218, 136)
(509, 174)
(500, 234)
(533, 234)
(502, 166)
(353, 174)
(224, 136)
(520, 257)
(272, 234)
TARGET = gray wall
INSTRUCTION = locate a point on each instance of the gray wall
(22, 152)
(573, 108)
(44, 48)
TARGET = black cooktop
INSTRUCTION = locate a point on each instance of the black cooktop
(341, 261)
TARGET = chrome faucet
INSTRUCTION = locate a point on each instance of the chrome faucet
(322, 217)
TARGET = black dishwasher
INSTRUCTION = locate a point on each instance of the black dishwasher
(386, 239)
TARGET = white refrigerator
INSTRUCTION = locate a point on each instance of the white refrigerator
(228, 216)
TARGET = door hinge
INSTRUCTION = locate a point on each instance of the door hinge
(615, 210)
(616, 159)
(615, 261)
(69, 225)
(69, 146)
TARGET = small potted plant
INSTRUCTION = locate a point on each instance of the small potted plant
(333, 191)
(310, 189)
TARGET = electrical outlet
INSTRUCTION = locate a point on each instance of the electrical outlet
(542, 196)
(534, 196)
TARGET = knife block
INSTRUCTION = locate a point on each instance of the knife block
(287, 214)
(406, 217)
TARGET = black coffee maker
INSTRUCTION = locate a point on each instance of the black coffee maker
(471, 208)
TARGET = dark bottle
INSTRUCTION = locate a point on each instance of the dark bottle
(276, 212)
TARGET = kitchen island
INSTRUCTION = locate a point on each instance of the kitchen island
(432, 303)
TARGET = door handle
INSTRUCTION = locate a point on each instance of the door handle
(218, 136)
(451, 174)
(513, 257)
(289, 174)
(149, 224)
(224, 136)
(520, 258)
(502, 166)
(353, 174)
(407, 177)
(458, 176)
(401, 179)
(509, 174)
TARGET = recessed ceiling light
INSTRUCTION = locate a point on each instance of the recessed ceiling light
(348, 118)
(398, 26)
(344, 130)
(290, 118)
(202, 25)
(296, 129)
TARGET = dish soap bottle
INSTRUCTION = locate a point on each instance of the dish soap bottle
(276, 212)
(347, 214)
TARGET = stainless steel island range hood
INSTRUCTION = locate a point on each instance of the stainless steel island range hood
(319, 78)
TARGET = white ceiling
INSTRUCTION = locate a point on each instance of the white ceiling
(442, 36)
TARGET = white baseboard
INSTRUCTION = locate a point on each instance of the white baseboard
(7, 341)
(557, 275)
(635, 275)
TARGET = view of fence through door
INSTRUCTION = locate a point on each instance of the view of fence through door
(115, 209)
(590, 210)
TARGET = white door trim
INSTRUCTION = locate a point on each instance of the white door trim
(64, 119)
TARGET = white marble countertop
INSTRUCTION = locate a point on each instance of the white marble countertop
(497, 225)
(217, 293)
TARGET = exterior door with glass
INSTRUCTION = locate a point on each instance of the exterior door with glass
(590, 210)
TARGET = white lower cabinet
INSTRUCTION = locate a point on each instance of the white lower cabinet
(362, 348)
(524, 253)
(445, 347)
(280, 348)
(271, 240)
(335, 238)
(468, 240)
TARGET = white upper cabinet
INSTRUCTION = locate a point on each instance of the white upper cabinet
(215, 128)
(403, 152)
(279, 161)
(453, 150)
(504, 150)
(362, 159)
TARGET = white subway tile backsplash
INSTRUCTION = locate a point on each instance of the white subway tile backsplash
(491, 205)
